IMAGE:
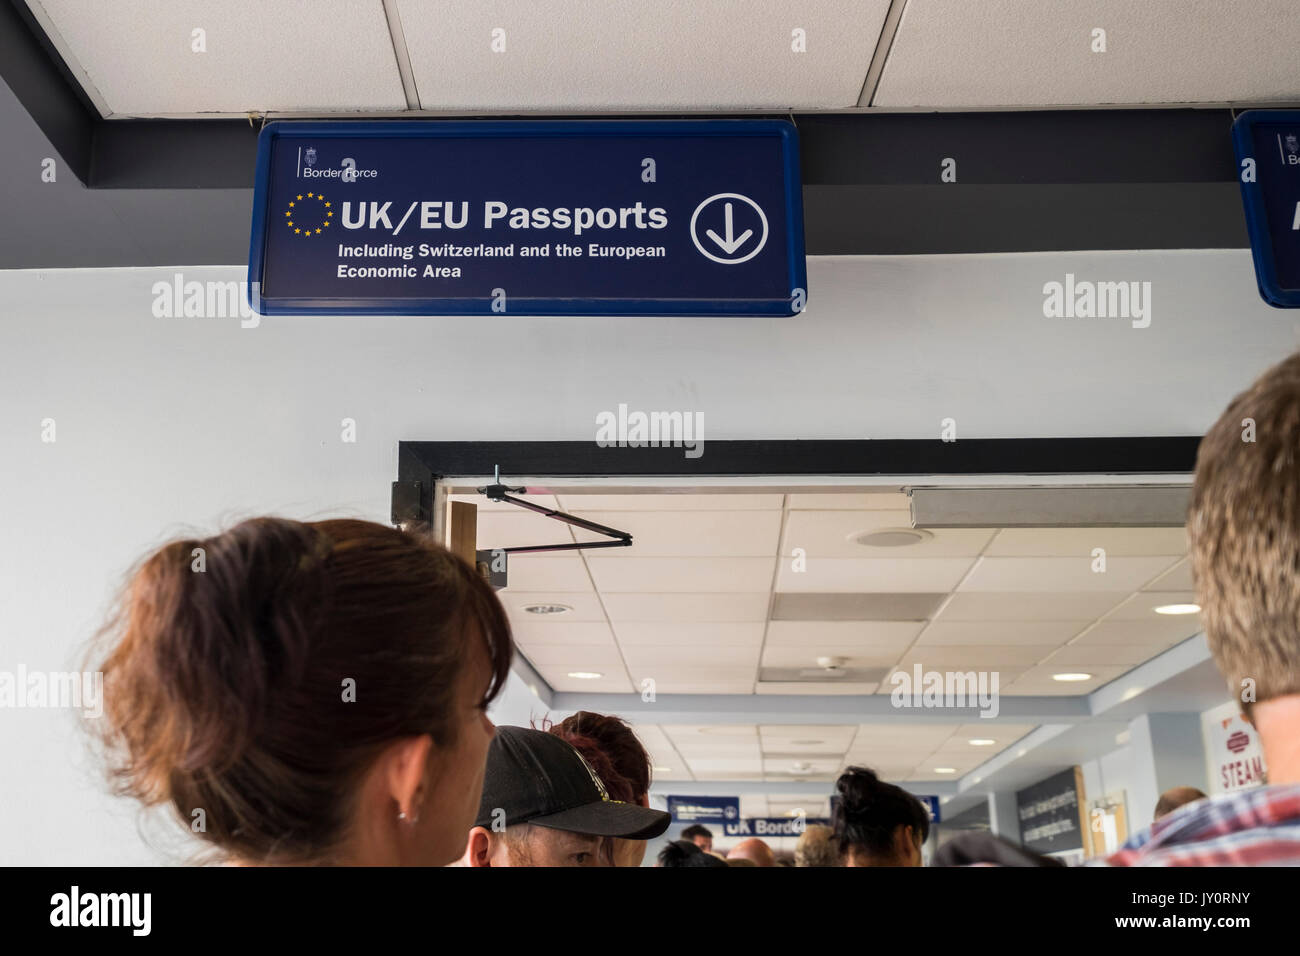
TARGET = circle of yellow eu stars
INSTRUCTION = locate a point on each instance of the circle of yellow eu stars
(299, 210)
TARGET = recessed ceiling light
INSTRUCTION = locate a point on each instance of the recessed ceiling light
(945, 769)
(890, 537)
(585, 675)
(547, 608)
(805, 743)
(662, 769)
(982, 741)
(1179, 609)
(1021, 752)
(1069, 677)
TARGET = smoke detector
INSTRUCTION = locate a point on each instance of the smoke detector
(829, 667)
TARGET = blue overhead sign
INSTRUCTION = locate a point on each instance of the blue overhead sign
(1267, 144)
(426, 217)
(770, 826)
(703, 809)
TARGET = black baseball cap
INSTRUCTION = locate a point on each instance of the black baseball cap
(536, 777)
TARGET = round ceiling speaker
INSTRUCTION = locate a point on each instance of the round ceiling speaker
(891, 537)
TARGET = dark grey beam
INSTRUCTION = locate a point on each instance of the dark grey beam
(37, 78)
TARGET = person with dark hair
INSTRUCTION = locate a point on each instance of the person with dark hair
(543, 804)
(684, 853)
(609, 744)
(1174, 798)
(314, 693)
(876, 823)
(700, 835)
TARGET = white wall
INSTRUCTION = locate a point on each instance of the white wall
(169, 423)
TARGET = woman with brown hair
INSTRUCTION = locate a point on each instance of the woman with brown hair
(312, 693)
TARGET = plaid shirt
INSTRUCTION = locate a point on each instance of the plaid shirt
(1259, 827)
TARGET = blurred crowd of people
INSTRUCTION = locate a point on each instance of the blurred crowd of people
(317, 692)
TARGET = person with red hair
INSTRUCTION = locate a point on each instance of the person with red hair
(609, 744)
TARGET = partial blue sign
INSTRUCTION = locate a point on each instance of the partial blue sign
(931, 805)
(704, 809)
(571, 217)
(770, 826)
(1267, 144)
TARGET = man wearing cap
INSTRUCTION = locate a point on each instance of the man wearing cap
(543, 805)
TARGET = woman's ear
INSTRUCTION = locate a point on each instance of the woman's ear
(404, 766)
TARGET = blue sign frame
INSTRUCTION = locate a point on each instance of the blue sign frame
(780, 130)
(1263, 249)
(694, 809)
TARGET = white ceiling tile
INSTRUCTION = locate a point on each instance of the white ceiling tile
(872, 501)
(892, 734)
(331, 55)
(688, 608)
(1004, 734)
(612, 683)
(717, 635)
(1029, 606)
(624, 54)
(1030, 53)
(1038, 681)
(830, 732)
(585, 606)
(988, 657)
(829, 534)
(705, 767)
(879, 575)
(1141, 607)
(484, 503)
(1098, 655)
(1177, 578)
(1157, 632)
(667, 500)
(854, 657)
(516, 529)
(558, 574)
(685, 734)
(642, 575)
(1063, 574)
(576, 657)
(544, 632)
(690, 533)
(657, 658)
(943, 631)
(816, 765)
(1074, 542)
(861, 635)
